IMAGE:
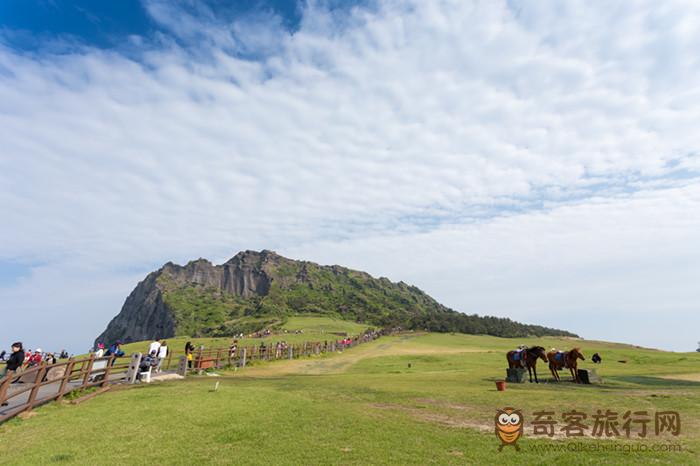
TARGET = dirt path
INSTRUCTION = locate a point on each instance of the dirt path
(693, 377)
(341, 362)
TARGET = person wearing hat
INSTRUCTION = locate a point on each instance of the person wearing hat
(100, 350)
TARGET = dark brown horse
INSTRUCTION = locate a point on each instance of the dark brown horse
(528, 359)
(565, 359)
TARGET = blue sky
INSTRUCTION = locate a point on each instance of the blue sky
(532, 160)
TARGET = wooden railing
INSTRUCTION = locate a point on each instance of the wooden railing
(241, 355)
(23, 391)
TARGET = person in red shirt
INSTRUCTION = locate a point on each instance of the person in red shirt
(35, 359)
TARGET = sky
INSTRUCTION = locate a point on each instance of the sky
(533, 160)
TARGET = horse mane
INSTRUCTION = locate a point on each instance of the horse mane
(536, 348)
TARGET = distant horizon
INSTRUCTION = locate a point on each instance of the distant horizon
(536, 161)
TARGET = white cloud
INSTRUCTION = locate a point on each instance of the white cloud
(393, 140)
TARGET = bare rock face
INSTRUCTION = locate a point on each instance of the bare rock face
(145, 316)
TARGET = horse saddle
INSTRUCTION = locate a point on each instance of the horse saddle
(520, 355)
(560, 357)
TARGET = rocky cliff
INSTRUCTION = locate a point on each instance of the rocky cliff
(256, 289)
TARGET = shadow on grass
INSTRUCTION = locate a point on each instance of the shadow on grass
(649, 381)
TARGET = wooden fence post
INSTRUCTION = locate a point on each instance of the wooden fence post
(86, 376)
(5, 385)
(243, 357)
(35, 388)
(170, 358)
(65, 379)
(108, 369)
(291, 352)
(218, 358)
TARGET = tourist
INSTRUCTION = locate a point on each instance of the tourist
(162, 354)
(14, 362)
(16, 359)
(154, 346)
(2, 355)
(147, 363)
(50, 358)
(189, 348)
(100, 350)
(116, 350)
(35, 359)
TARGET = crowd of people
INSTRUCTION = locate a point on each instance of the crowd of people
(20, 358)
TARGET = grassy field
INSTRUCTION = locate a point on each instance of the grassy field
(367, 406)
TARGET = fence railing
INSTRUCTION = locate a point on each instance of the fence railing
(239, 356)
(25, 390)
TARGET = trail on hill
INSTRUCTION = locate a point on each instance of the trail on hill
(341, 362)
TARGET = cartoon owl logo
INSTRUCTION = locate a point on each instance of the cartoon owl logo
(509, 427)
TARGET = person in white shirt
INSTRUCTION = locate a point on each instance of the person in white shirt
(162, 354)
(155, 346)
(100, 350)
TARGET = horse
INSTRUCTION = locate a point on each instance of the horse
(528, 358)
(559, 360)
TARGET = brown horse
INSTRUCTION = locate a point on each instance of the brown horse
(559, 360)
(528, 358)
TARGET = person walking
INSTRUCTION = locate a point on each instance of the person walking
(162, 354)
(100, 350)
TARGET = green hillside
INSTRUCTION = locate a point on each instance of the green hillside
(204, 308)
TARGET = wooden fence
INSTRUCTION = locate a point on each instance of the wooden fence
(23, 391)
(240, 356)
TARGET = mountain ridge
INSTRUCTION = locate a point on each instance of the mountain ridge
(262, 288)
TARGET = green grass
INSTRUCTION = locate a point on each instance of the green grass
(323, 325)
(364, 406)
